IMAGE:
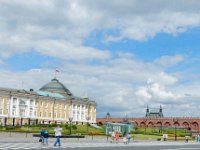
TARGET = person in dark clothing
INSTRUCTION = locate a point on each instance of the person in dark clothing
(46, 136)
(42, 135)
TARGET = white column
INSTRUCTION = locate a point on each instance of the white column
(17, 108)
(90, 114)
(84, 114)
(76, 110)
(28, 111)
(34, 102)
(11, 106)
(80, 117)
(95, 113)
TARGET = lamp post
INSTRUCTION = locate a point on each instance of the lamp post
(145, 126)
(71, 115)
(161, 126)
(87, 118)
(175, 130)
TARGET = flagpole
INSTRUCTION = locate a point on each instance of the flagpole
(56, 71)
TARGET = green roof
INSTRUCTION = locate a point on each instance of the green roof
(49, 94)
(56, 87)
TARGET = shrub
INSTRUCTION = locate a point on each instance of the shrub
(74, 127)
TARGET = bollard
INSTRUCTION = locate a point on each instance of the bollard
(92, 137)
(107, 137)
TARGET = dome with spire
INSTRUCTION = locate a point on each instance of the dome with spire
(56, 87)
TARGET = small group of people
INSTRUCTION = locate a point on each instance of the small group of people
(115, 137)
(198, 138)
(126, 138)
(45, 135)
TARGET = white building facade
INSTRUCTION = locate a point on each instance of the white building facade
(53, 103)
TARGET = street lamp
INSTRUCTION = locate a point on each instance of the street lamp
(161, 126)
(175, 130)
(70, 115)
(87, 118)
(145, 126)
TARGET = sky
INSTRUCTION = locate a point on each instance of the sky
(124, 55)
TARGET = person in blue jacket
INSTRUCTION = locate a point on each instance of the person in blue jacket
(42, 135)
(46, 135)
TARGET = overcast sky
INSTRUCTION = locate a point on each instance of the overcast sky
(125, 55)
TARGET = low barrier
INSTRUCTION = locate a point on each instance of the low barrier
(63, 136)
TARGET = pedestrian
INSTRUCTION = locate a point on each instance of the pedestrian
(58, 134)
(124, 138)
(198, 138)
(112, 137)
(42, 136)
(46, 136)
(128, 138)
(116, 137)
(186, 139)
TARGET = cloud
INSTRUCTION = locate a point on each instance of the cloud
(60, 28)
(121, 86)
(65, 25)
(165, 61)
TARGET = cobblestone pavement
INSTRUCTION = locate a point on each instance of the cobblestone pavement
(134, 145)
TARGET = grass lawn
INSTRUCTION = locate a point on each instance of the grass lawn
(76, 129)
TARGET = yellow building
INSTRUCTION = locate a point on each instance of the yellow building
(53, 103)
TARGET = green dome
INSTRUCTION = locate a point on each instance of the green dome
(56, 87)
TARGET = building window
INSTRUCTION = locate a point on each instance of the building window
(55, 115)
(46, 105)
(31, 102)
(45, 114)
(14, 101)
(22, 112)
(1, 103)
(35, 113)
(31, 112)
(1, 111)
(21, 102)
(14, 112)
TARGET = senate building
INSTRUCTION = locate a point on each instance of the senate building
(52, 103)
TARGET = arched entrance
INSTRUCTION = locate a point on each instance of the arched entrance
(195, 126)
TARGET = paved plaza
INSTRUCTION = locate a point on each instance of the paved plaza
(27, 141)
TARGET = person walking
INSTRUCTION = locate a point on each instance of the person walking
(112, 137)
(42, 135)
(124, 138)
(46, 136)
(198, 138)
(186, 139)
(58, 134)
(116, 137)
(128, 138)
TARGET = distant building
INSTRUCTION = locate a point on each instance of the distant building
(153, 113)
(119, 127)
(53, 103)
(108, 115)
